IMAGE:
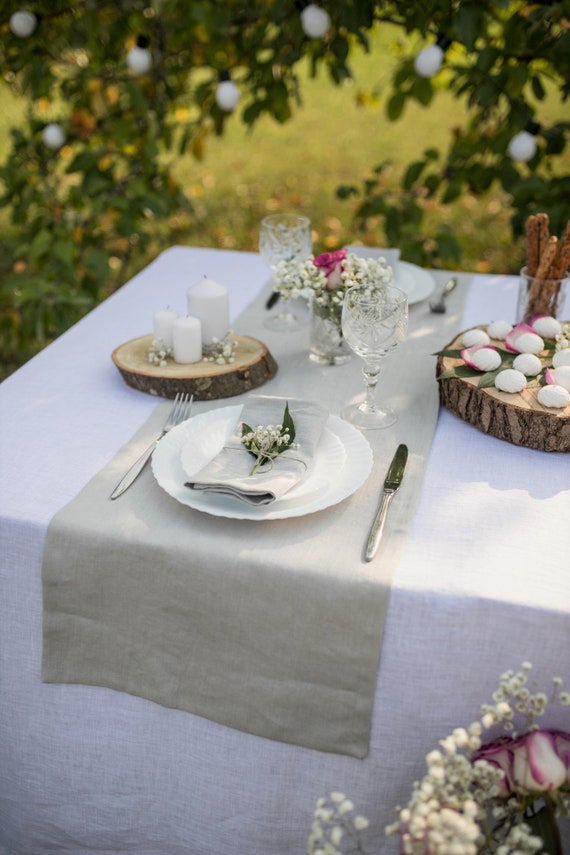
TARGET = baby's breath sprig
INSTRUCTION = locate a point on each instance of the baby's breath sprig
(221, 351)
(563, 338)
(266, 443)
(159, 353)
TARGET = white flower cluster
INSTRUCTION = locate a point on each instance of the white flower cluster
(335, 823)
(458, 808)
(158, 353)
(221, 351)
(513, 697)
(265, 439)
(292, 278)
(563, 338)
(266, 443)
(465, 804)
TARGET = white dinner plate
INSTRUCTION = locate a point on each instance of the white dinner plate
(415, 281)
(342, 463)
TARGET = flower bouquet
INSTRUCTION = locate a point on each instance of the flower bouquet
(327, 278)
(501, 797)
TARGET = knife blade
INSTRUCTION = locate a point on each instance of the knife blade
(391, 485)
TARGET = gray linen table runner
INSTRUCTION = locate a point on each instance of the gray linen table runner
(270, 627)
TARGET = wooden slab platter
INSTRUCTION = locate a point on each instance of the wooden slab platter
(516, 418)
(207, 381)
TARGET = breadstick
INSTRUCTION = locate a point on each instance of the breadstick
(561, 262)
(542, 225)
(532, 253)
(547, 256)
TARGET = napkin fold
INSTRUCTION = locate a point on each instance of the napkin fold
(228, 473)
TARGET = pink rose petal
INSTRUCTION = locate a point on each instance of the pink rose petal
(549, 377)
(468, 355)
(515, 334)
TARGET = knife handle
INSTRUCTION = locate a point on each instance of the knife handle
(134, 471)
(378, 526)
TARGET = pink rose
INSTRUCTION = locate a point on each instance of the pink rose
(499, 755)
(331, 263)
(537, 766)
(537, 762)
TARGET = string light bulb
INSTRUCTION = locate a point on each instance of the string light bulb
(523, 145)
(53, 135)
(227, 93)
(139, 58)
(23, 23)
(430, 59)
(315, 21)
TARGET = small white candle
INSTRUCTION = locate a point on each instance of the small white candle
(209, 301)
(186, 340)
(162, 323)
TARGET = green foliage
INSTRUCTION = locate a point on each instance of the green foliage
(84, 213)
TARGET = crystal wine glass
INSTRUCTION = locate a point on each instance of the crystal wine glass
(285, 237)
(374, 322)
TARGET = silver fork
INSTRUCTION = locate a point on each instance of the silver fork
(438, 306)
(179, 412)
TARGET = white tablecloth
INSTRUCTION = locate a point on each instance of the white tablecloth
(483, 584)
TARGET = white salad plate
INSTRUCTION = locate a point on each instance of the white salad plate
(341, 464)
(415, 281)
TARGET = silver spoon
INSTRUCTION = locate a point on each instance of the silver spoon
(438, 306)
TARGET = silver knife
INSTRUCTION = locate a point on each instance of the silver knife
(391, 484)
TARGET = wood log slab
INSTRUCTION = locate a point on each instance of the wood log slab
(516, 418)
(207, 381)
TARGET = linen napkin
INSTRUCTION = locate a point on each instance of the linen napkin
(228, 473)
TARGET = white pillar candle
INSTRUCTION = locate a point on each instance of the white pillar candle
(209, 301)
(162, 323)
(186, 340)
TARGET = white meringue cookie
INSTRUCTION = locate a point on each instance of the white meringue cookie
(510, 380)
(499, 329)
(546, 326)
(529, 343)
(528, 363)
(474, 337)
(553, 396)
(562, 376)
(561, 357)
(486, 359)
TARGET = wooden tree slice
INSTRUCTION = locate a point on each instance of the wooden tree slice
(207, 381)
(516, 418)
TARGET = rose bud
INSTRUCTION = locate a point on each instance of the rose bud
(536, 764)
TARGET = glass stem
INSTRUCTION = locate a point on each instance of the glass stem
(371, 373)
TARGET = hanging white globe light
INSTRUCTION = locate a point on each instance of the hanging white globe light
(139, 58)
(430, 59)
(227, 93)
(523, 145)
(23, 24)
(315, 21)
(53, 135)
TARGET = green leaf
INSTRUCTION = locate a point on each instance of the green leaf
(40, 245)
(543, 824)
(453, 354)
(395, 106)
(288, 424)
(412, 174)
(488, 379)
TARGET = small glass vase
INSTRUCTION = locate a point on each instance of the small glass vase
(328, 345)
(540, 296)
